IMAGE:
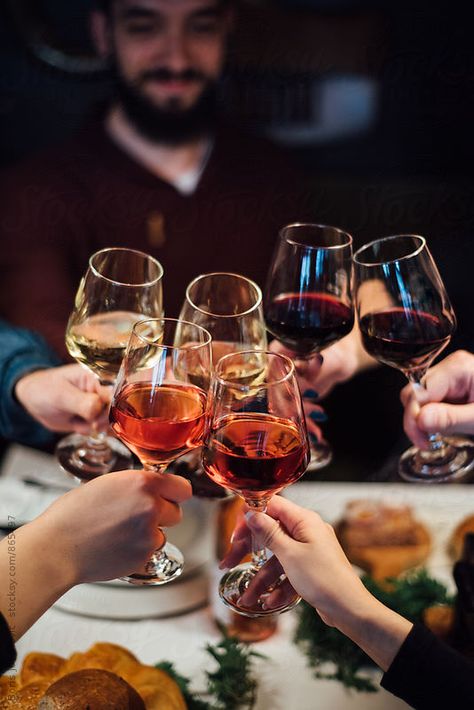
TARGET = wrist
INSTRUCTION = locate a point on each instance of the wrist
(376, 629)
(352, 610)
(48, 556)
(21, 386)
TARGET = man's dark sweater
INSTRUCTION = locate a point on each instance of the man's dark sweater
(61, 206)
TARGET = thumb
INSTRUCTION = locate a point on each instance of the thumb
(447, 418)
(269, 532)
(86, 405)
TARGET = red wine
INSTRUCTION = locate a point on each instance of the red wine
(308, 322)
(405, 339)
(255, 454)
(159, 424)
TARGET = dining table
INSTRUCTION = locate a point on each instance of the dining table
(175, 622)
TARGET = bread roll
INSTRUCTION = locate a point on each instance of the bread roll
(91, 689)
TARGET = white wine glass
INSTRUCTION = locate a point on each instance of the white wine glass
(230, 307)
(120, 287)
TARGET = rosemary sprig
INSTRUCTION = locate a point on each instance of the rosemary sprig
(192, 701)
(409, 596)
(232, 686)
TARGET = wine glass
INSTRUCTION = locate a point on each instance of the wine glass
(120, 287)
(406, 320)
(158, 411)
(229, 306)
(256, 444)
(308, 297)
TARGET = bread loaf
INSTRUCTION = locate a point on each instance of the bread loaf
(91, 689)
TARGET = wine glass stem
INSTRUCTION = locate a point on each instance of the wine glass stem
(259, 554)
(158, 468)
(97, 448)
(98, 451)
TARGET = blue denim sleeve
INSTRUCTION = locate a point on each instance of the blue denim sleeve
(21, 351)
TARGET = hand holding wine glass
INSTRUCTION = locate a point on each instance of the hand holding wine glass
(159, 412)
(446, 404)
(256, 445)
(406, 320)
(308, 297)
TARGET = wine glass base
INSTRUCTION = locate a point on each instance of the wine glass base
(164, 565)
(235, 582)
(321, 455)
(457, 465)
(75, 458)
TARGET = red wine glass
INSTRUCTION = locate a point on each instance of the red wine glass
(159, 413)
(308, 297)
(406, 320)
(255, 444)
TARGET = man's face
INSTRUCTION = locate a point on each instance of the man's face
(169, 51)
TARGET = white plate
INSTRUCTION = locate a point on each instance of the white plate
(130, 602)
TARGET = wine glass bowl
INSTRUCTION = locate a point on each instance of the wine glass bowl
(159, 412)
(255, 445)
(406, 320)
(308, 300)
(230, 307)
(120, 287)
(308, 296)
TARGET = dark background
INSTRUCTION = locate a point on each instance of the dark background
(410, 170)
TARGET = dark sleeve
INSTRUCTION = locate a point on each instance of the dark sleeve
(7, 647)
(426, 673)
(21, 352)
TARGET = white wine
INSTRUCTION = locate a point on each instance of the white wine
(246, 371)
(99, 342)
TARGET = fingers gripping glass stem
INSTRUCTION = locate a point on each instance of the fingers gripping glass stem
(444, 459)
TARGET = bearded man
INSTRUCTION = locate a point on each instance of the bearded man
(159, 171)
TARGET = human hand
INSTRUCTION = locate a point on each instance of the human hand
(63, 399)
(109, 527)
(339, 363)
(445, 403)
(305, 549)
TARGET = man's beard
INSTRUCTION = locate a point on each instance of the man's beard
(171, 126)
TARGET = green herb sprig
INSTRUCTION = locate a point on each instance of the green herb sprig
(232, 686)
(409, 596)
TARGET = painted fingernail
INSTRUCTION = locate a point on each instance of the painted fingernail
(249, 515)
(313, 439)
(319, 416)
(311, 394)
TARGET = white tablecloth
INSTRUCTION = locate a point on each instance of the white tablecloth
(285, 682)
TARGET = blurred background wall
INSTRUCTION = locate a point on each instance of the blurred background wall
(375, 99)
